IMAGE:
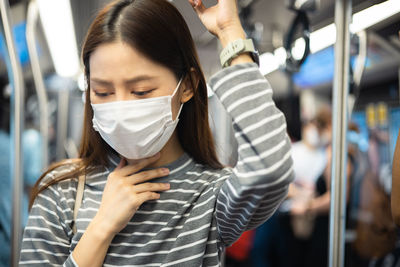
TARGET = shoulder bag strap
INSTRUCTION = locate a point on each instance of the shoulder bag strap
(78, 199)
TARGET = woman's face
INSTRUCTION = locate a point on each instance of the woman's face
(118, 73)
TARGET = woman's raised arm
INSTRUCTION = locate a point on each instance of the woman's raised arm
(260, 179)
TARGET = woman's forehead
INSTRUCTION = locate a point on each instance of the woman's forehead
(116, 54)
(118, 60)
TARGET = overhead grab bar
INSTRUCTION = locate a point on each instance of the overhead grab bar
(32, 19)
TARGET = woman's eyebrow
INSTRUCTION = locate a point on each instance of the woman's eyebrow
(140, 78)
(134, 80)
(102, 82)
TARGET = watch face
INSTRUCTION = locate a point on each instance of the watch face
(256, 57)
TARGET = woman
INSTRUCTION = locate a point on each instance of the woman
(143, 76)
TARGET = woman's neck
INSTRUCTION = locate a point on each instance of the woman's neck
(169, 153)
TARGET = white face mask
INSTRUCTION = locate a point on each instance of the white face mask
(312, 136)
(136, 129)
(325, 140)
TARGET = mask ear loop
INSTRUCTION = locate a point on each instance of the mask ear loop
(173, 94)
(177, 87)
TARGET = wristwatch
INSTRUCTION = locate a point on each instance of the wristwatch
(236, 48)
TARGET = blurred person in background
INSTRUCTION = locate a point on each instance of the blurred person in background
(5, 177)
(395, 196)
(313, 158)
(376, 243)
(317, 208)
(283, 240)
(310, 159)
(31, 143)
(239, 254)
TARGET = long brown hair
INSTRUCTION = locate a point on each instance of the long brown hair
(157, 30)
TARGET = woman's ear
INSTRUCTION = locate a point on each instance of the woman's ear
(188, 87)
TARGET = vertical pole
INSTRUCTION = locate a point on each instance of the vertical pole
(339, 146)
(17, 117)
(32, 20)
(62, 122)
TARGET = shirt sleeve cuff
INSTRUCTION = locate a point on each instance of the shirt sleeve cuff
(70, 262)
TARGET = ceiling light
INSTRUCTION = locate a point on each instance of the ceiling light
(268, 63)
(56, 17)
(326, 36)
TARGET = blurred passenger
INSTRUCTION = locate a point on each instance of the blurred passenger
(375, 244)
(31, 143)
(301, 239)
(143, 76)
(308, 202)
(283, 240)
(5, 180)
(395, 197)
(238, 254)
(309, 160)
(271, 239)
(319, 206)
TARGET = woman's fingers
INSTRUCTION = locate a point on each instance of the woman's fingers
(220, 18)
(121, 163)
(198, 6)
(151, 187)
(147, 196)
(131, 169)
(144, 176)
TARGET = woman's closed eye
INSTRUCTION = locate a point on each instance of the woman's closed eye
(137, 93)
(142, 93)
(102, 94)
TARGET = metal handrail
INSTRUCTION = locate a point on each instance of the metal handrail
(17, 113)
(339, 145)
(31, 23)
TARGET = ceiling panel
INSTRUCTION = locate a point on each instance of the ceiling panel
(273, 15)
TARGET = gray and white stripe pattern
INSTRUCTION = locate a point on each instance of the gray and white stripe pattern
(204, 211)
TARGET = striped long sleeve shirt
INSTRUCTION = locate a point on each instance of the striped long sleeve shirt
(205, 209)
